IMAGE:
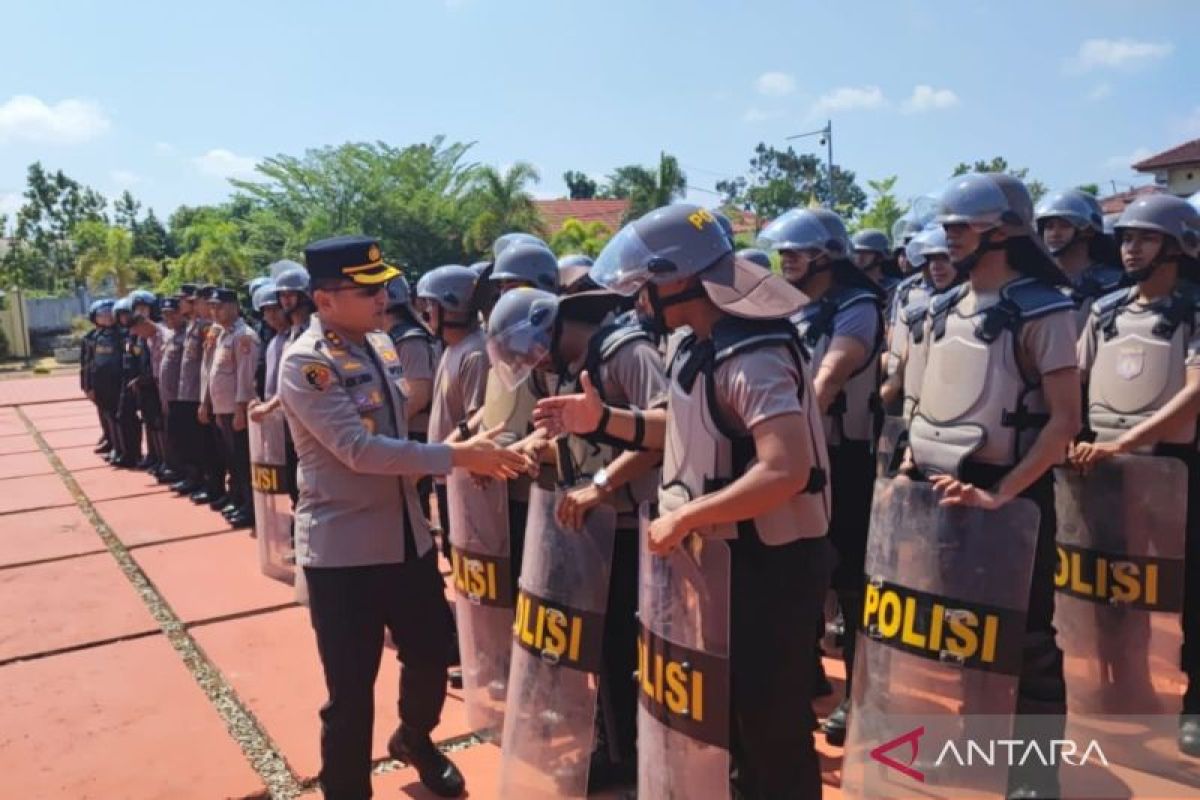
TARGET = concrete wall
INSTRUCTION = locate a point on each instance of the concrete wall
(1184, 181)
(54, 314)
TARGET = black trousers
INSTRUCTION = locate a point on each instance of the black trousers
(235, 445)
(443, 517)
(130, 448)
(777, 598)
(618, 689)
(1190, 654)
(186, 433)
(852, 474)
(175, 433)
(212, 458)
(150, 410)
(350, 607)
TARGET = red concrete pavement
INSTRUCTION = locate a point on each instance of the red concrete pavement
(39, 389)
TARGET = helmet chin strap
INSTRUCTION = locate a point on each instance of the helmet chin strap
(1058, 251)
(1142, 275)
(986, 245)
(659, 303)
(815, 267)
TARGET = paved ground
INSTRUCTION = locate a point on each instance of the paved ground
(142, 654)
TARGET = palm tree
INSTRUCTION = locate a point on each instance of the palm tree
(502, 204)
(107, 252)
(646, 188)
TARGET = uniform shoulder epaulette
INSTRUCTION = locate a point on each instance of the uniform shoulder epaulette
(735, 335)
(1032, 299)
(1115, 299)
(379, 339)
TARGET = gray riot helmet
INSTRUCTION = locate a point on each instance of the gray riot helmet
(987, 201)
(1173, 217)
(102, 307)
(520, 333)
(756, 256)
(679, 241)
(143, 297)
(572, 269)
(398, 293)
(872, 240)
(1077, 207)
(931, 241)
(528, 263)
(279, 267)
(123, 304)
(265, 295)
(506, 241)
(293, 279)
(725, 223)
(253, 285)
(481, 268)
(807, 229)
(450, 286)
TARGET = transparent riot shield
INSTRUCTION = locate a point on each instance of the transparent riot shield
(1120, 578)
(549, 722)
(683, 669)
(272, 505)
(945, 599)
(483, 597)
(891, 437)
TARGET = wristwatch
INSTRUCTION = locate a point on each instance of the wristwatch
(600, 481)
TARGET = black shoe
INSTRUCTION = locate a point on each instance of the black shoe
(230, 508)
(438, 773)
(125, 463)
(604, 774)
(218, 502)
(241, 520)
(1189, 735)
(184, 486)
(454, 675)
(834, 726)
(103, 447)
(146, 462)
(165, 476)
(200, 496)
(1031, 792)
(821, 685)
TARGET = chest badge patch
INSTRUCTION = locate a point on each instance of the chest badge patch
(318, 376)
(1130, 362)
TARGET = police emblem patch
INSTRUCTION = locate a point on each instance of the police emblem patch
(318, 377)
(1130, 362)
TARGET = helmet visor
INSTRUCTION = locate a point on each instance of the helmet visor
(623, 266)
(516, 351)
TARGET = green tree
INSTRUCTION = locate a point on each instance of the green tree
(212, 252)
(574, 236)
(647, 188)
(151, 239)
(41, 255)
(1037, 189)
(1091, 188)
(580, 185)
(501, 202)
(106, 252)
(779, 180)
(885, 209)
(126, 210)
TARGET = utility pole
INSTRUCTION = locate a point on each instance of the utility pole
(826, 135)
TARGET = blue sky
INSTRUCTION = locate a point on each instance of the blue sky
(170, 99)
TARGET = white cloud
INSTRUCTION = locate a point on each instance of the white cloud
(1117, 53)
(27, 118)
(1124, 162)
(10, 203)
(124, 178)
(850, 98)
(775, 84)
(164, 148)
(927, 98)
(222, 163)
(1099, 92)
(1188, 126)
(756, 114)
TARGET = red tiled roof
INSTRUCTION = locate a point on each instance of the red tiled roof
(555, 212)
(1186, 153)
(1116, 203)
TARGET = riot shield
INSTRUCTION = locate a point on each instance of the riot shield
(892, 436)
(549, 724)
(1121, 531)
(683, 669)
(272, 505)
(944, 605)
(483, 597)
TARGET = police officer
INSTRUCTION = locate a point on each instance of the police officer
(744, 462)
(1160, 244)
(87, 345)
(229, 390)
(755, 256)
(149, 402)
(873, 255)
(461, 377)
(573, 338)
(1072, 226)
(262, 329)
(212, 454)
(190, 367)
(291, 282)
(419, 352)
(266, 305)
(572, 273)
(1000, 402)
(843, 328)
(129, 446)
(104, 373)
(360, 537)
(173, 333)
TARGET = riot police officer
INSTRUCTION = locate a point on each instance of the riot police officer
(1140, 357)
(572, 273)
(130, 445)
(212, 454)
(743, 507)
(87, 345)
(1072, 226)
(360, 537)
(873, 255)
(104, 373)
(175, 330)
(842, 326)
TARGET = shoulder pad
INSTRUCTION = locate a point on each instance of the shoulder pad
(944, 301)
(845, 296)
(914, 310)
(407, 330)
(1106, 276)
(1114, 300)
(379, 340)
(617, 336)
(734, 335)
(1034, 299)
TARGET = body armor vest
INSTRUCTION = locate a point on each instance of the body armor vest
(975, 402)
(1140, 364)
(912, 305)
(855, 413)
(1095, 282)
(411, 331)
(703, 453)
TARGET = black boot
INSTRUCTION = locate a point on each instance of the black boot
(1189, 735)
(438, 773)
(835, 724)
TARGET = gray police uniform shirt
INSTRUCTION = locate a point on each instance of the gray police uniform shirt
(275, 348)
(358, 472)
(419, 361)
(192, 360)
(459, 385)
(231, 378)
(209, 350)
